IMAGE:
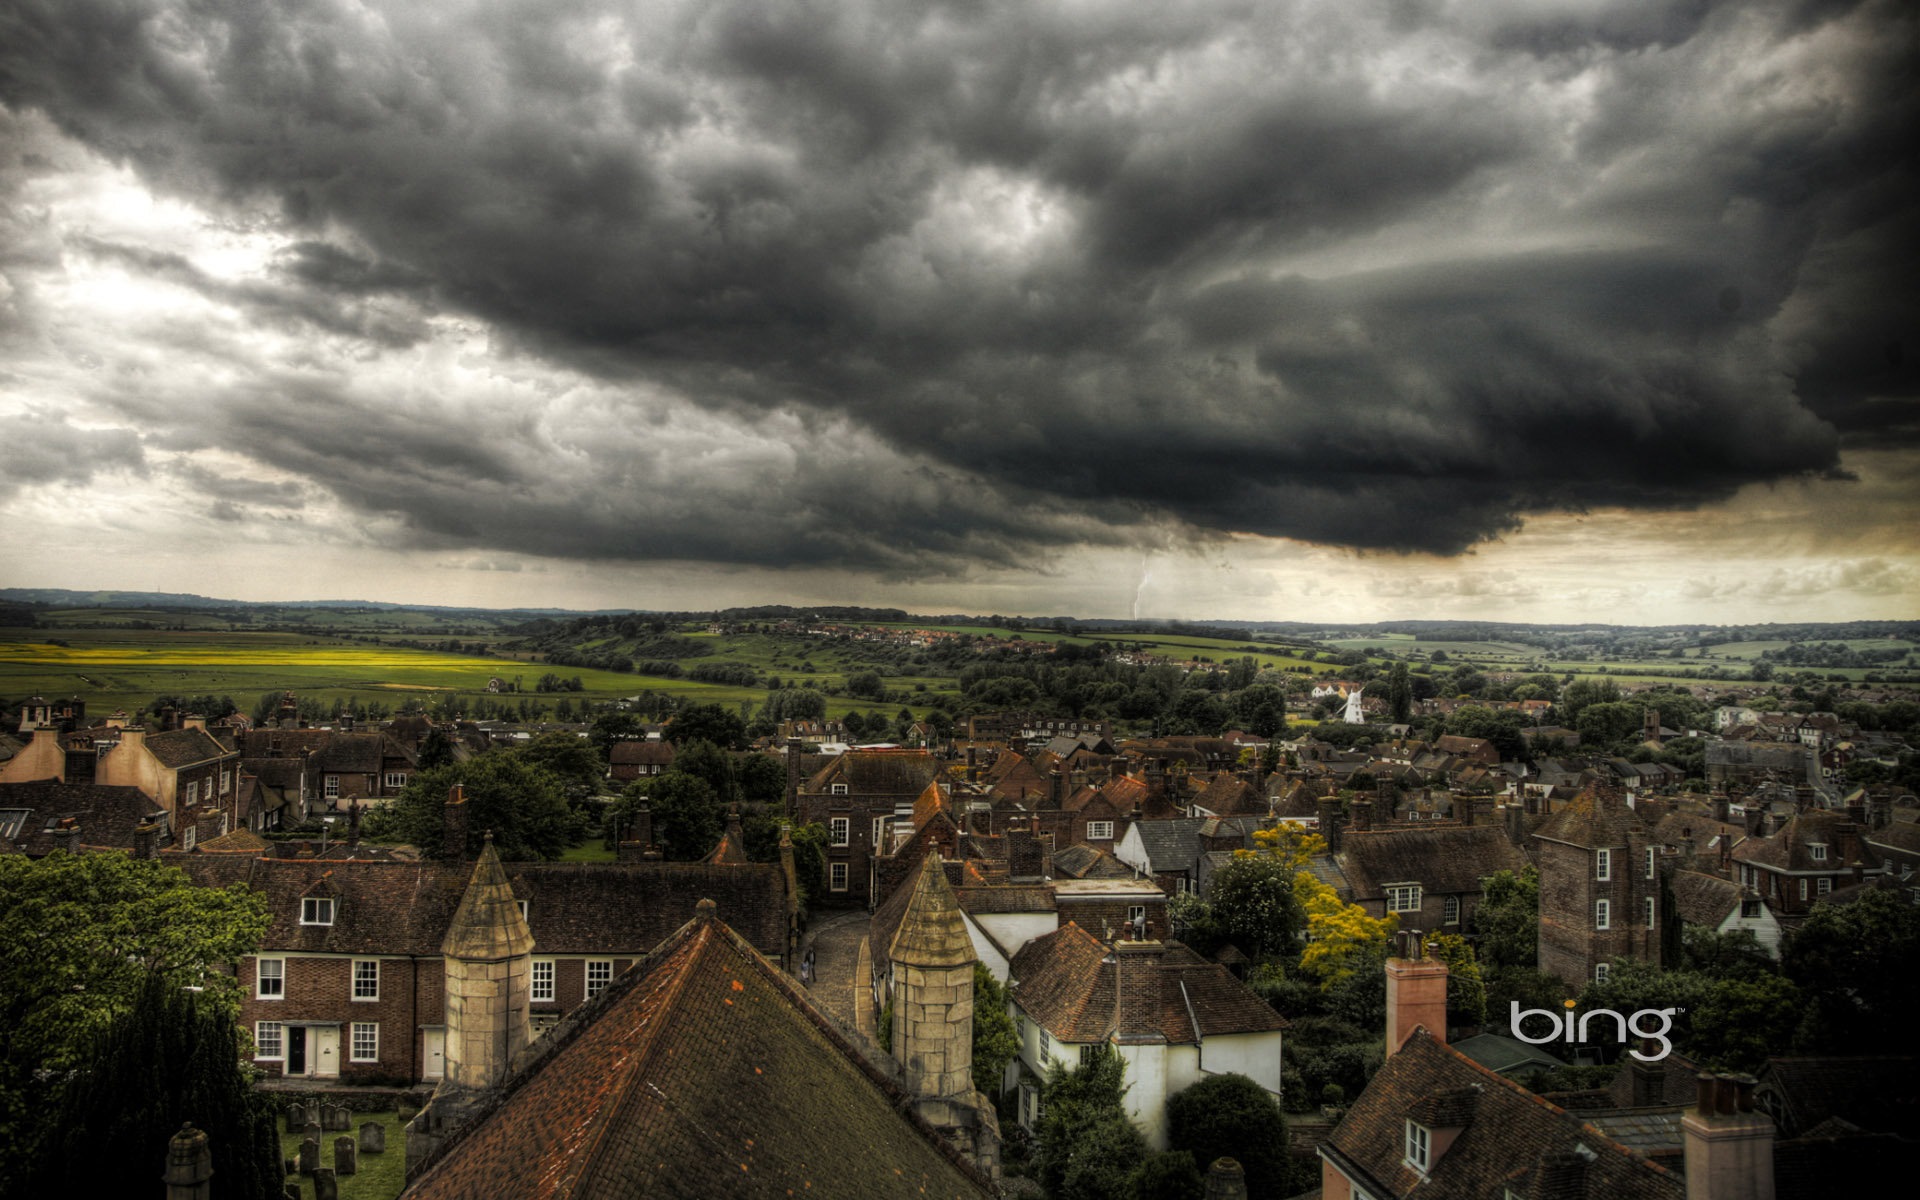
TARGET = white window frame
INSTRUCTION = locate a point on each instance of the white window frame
(269, 1041)
(1653, 912)
(1404, 897)
(1601, 971)
(1822, 886)
(1603, 914)
(367, 1033)
(1603, 865)
(1450, 911)
(1046, 1046)
(395, 779)
(226, 782)
(332, 787)
(1803, 889)
(540, 981)
(837, 877)
(837, 789)
(1651, 859)
(260, 974)
(840, 831)
(603, 968)
(316, 910)
(193, 793)
(524, 908)
(1418, 1146)
(1099, 831)
(880, 832)
(1817, 851)
(372, 967)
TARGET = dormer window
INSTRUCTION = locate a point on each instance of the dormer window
(1419, 1146)
(838, 789)
(316, 910)
(1818, 850)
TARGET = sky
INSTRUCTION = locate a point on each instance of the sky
(1354, 310)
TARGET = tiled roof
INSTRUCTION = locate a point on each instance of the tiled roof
(1229, 795)
(1450, 859)
(1593, 818)
(1787, 850)
(389, 906)
(1060, 984)
(106, 816)
(240, 841)
(184, 747)
(1089, 862)
(1005, 898)
(352, 753)
(642, 754)
(1170, 845)
(703, 1071)
(1135, 992)
(1703, 899)
(877, 773)
(1505, 1140)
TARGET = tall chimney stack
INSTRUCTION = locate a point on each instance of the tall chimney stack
(1416, 991)
(455, 815)
(1729, 1145)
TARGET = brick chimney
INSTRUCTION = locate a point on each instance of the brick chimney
(1649, 1078)
(973, 764)
(146, 837)
(1333, 824)
(1516, 823)
(455, 814)
(1463, 807)
(1729, 1145)
(1361, 812)
(1056, 789)
(1879, 812)
(1416, 991)
(354, 812)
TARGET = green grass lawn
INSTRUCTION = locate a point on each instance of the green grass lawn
(379, 1177)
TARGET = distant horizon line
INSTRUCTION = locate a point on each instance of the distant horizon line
(24, 595)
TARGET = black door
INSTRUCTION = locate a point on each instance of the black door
(297, 1050)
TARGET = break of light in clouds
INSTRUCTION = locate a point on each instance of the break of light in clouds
(1511, 309)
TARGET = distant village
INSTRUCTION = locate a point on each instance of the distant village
(613, 1024)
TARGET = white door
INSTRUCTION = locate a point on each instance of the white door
(436, 1047)
(325, 1055)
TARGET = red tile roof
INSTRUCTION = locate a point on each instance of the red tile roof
(703, 1071)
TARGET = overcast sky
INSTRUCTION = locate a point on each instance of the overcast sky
(1551, 310)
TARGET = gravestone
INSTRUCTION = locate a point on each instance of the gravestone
(373, 1138)
(343, 1155)
(324, 1185)
(313, 1129)
(292, 1165)
(339, 1117)
(309, 1156)
(292, 1192)
(296, 1116)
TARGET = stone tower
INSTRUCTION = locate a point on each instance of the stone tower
(933, 959)
(489, 963)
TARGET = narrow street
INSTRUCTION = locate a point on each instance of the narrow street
(835, 942)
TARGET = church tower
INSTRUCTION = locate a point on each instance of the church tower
(489, 963)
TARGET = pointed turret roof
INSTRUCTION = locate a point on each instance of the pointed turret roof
(932, 933)
(732, 850)
(488, 924)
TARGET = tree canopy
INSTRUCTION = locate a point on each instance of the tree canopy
(83, 935)
(1231, 1116)
(522, 804)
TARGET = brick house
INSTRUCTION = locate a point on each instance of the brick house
(1431, 876)
(628, 761)
(1600, 888)
(856, 795)
(1815, 853)
(187, 771)
(349, 981)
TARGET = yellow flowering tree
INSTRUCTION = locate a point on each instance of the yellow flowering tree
(1340, 936)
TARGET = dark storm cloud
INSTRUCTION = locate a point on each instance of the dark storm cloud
(1022, 278)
